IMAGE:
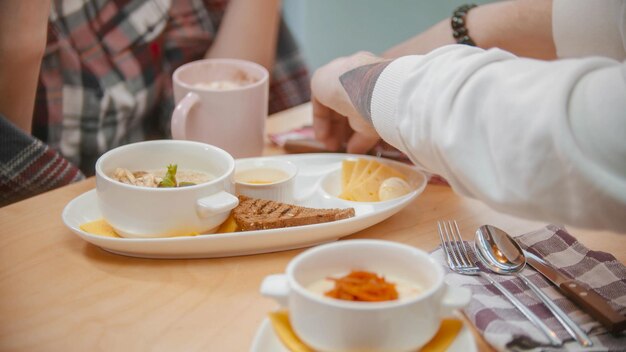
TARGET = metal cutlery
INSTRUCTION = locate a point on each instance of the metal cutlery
(458, 259)
(589, 301)
(501, 254)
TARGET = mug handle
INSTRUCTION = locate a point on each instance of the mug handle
(455, 297)
(276, 286)
(178, 124)
(219, 202)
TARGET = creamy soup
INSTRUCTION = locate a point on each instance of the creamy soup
(405, 288)
(153, 178)
(261, 175)
(186, 175)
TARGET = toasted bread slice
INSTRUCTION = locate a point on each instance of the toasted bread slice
(260, 214)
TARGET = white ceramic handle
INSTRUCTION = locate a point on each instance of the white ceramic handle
(217, 203)
(179, 117)
(277, 287)
(454, 298)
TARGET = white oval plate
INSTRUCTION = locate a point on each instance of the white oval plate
(317, 183)
(265, 340)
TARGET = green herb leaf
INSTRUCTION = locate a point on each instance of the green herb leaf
(170, 177)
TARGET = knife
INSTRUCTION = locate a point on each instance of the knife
(296, 146)
(588, 300)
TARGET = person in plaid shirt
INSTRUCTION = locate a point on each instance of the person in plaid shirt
(105, 76)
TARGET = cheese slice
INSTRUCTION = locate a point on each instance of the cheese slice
(99, 227)
(282, 329)
(358, 176)
(367, 190)
(102, 228)
(356, 172)
(347, 167)
(228, 226)
(358, 168)
(370, 168)
(448, 331)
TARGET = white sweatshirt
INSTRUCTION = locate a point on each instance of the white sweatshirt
(544, 140)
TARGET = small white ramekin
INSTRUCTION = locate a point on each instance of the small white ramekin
(282, 190)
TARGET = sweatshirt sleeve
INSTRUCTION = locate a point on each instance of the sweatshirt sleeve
(537, 139)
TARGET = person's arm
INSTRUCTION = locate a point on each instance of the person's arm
(522, 27)
(23, 30)
(582, 28)
(543, 140)
(537, 139)
(248, 31)
(28, 166)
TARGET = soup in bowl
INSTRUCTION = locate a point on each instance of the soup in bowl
(165, 188)
(395, 297)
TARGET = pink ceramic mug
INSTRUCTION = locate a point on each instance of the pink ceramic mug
(222, 102)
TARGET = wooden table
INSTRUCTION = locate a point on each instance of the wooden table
(59, 293)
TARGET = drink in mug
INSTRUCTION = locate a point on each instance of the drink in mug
(222, 102)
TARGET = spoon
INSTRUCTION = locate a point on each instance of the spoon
(502, 254)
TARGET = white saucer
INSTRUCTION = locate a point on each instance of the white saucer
(318, 182)
(265, 340)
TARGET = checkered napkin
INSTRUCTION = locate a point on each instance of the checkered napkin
(506, 329)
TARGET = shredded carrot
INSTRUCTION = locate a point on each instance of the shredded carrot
(362, 286)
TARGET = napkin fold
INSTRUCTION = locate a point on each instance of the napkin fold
(448, 331)
(506, 329)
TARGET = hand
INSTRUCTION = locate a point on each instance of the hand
(336, 120)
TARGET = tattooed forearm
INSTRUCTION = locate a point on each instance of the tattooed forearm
(359, 84)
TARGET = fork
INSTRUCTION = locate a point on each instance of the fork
(460, 262)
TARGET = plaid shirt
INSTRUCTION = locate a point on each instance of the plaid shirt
(106, 75)
(28, 166)
(106, 81)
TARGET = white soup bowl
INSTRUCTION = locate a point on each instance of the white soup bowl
(328, 324)
(142, 212)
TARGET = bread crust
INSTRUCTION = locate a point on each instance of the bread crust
(260, 214)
